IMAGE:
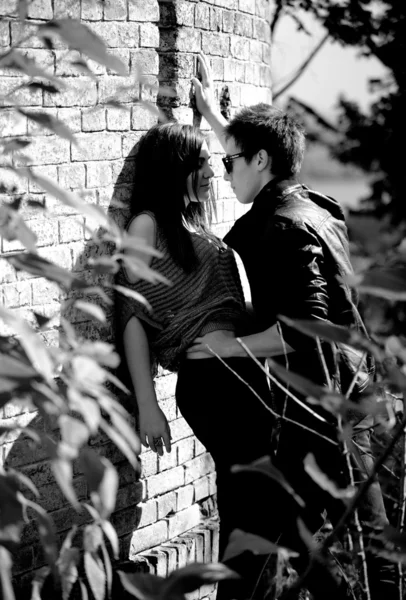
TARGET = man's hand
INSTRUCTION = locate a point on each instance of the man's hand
(217, 341)
(154, 429)
(204, 89)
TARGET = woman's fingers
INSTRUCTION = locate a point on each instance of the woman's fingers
(143, 438)
(204, 67)
(167, 439)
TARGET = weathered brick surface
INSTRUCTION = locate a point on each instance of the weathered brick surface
(161, 41)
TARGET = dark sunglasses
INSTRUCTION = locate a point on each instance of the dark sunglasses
(228, 161)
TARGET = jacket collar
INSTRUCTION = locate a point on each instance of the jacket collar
(274, 192)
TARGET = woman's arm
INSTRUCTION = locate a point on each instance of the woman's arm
(153, 423)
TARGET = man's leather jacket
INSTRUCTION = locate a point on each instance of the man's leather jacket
(294, 246)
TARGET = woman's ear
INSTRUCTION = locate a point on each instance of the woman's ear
(264, 161)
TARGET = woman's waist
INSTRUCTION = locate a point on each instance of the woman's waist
(212, 328)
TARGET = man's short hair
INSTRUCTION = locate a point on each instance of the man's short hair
(265, 127)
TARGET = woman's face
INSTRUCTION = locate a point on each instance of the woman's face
(203, 178)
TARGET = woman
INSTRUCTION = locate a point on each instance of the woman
(170, 211)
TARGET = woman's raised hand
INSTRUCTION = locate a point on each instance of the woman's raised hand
(154, 429)
(204, 89)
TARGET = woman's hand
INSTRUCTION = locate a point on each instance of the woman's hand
(154, 429)
(204, 89)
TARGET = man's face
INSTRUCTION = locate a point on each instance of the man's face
(245, 179)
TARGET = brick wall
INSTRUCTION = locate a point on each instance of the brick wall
(175, 493)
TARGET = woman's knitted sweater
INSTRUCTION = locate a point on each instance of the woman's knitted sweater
(207, 299)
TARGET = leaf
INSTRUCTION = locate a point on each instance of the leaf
(36, 265)
(45, 87)
(112, 536)
(83, 590)
(11, 509)
(144, 586)
(121, 443)
(50, 122)
(95, 576)
(34, 347)
(333, 333)
(264, 466)
(104, 264)
(38, 582)
(299, 383)
(91, 309)
(312, 469)
(68, 570)
(92, 538)
(40, 319)
(74, 433)
(63, 473)
(47, 534)
(108, 569)
(93, 211)
(28, 66)
(102, 480)
(388, 283)
(241, 541)
(192, 577)
(5, 574)
(79, 37)
(82, 65)
(132, 294)
(15, 145)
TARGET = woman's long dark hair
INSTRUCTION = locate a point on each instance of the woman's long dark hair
(165, 156)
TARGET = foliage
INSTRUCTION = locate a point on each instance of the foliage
(369, 140)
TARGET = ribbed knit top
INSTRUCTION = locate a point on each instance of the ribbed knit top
(207, 299)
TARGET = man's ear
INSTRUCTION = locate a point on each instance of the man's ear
(264, 161)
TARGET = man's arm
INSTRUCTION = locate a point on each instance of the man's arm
(266, 343)
(205, 101)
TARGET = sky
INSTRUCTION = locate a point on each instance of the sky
(335, 70)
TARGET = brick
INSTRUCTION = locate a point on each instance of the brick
(185, 449)
(44, 171)
(260, 28)
(52, 498)
(13, 183)
(98, 174)
(263, 8)
(60, 256)
(229, 69)
(171, 557)
(8, 7)
(243, 25)
(215, 44)
(115, 10)
(23, 35)
(147, 513)
(44, 291)
(12, 123)
(129, 142)
(142, 118)
(158, 561)
(7, 272)
(82, 93)
(202, 16)
(252, 73)
(199, 448)
(144, 61)
(48, 150)
(202, 488)
(147, 537)
(143, 10)
(16, 295)
(199, 466)
(173, 63)
(185, 496)
(110, 86)
(91, 10)
(183, 40)
(5, 38)
(230, 4)
(117, 35)
(41, 9)
(71, 117)
(67, 8)
(70, 229)
(217, 66)
(216, 19)
(166, 504)
(71, 176)
(94, 119)
(129, 495)
(228, 21)
(183, 521)
(256, 51)
(23, 96)
(247, 6)
(180, 429)
(149, 35)
(165, 482)
(240, 48)
(97, 146)
(167, 461)
(212, 483)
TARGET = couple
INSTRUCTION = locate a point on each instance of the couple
(294, 248)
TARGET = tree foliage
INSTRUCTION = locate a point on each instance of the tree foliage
(370, 140)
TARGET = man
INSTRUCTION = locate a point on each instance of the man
(294, 247)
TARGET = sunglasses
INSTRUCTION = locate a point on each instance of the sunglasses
(228, 161)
